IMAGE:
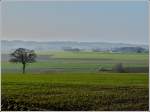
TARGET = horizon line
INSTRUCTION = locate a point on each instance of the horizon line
(77, 41)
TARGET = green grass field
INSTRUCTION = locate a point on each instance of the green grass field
(97, 55)
(76, 91)
(83, 61)
(71, 81)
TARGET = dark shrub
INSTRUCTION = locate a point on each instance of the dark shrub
(119, 68)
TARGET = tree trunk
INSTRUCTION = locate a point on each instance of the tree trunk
(24, 67)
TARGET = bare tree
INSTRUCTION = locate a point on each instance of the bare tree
(23, 56)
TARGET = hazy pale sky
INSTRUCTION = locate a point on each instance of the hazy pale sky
(101, 21)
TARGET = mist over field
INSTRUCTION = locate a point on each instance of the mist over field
(9, 46)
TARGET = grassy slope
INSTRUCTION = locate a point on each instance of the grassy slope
(65, 91)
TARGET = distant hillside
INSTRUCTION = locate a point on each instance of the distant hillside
(7, 46)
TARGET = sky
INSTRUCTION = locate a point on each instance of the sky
(86, 21)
